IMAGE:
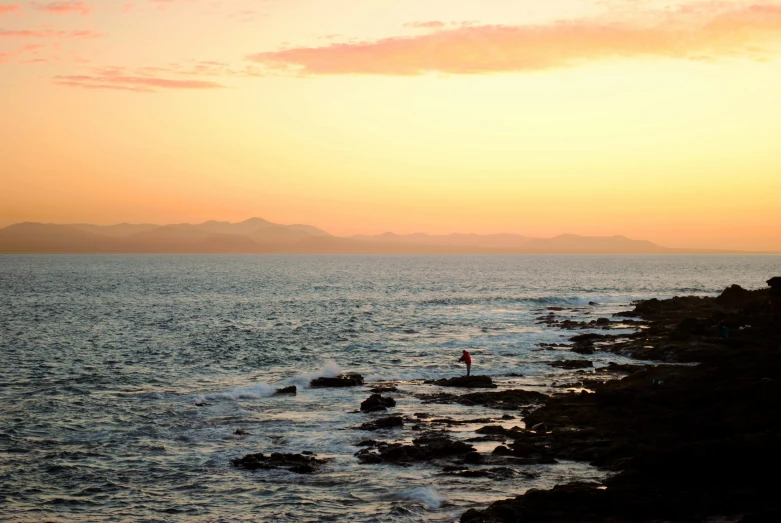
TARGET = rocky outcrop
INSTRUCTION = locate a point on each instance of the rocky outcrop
(304, 463)
(688, 443)
(383, 423)
(484, 382)
(425, 448)
(343, 380)
(514, 399)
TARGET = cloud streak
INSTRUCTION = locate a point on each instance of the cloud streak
(8, 8)
(132, 83)
(703, 31)
(65, 8)
(48, 33)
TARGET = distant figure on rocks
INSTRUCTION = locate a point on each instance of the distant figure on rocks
(466, 358)
(723, 330)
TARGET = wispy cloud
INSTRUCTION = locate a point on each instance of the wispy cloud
(48, 33)
(5, 9)
(433, 24)
(116, 78)
(703, 31)
(64, 8)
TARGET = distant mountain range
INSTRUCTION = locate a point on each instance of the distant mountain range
(257, 235)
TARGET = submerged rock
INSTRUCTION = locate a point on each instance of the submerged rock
(343, 380)
(299, 463)
(384, 388)
(287, 390)
(377, 402)
(465, 381)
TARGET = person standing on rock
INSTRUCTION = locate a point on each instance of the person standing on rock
(466, 358)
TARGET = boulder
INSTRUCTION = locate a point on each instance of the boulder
(383, 423)
(287, 390)
(343, 380)
(733, 296)
(377, 402)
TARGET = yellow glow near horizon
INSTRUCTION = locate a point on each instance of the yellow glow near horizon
(680, 150)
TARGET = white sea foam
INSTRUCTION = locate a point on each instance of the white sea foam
(428, 496)
(329, 369)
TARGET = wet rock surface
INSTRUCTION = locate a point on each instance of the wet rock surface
(514, 399)
(689, 443)
(425, 448)
(383, 423)
(343, 380)
(286, 390)
(466, 382)
(572, 364)
(376, 402)
(304, 463)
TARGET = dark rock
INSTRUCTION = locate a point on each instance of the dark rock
(366, 443)
(287, 390)
(474, 458)
(583, 349)
(513, 399)
(603, 321)
(424, 448)
(377, 402)
(489, 437)
(383, 423)
(572, 364)
(299, 463)
(501, 450)
(241, 432)
(465, 381)
(734, 296)
(343, 380)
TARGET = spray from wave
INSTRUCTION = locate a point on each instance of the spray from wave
(329, 369)
(427, 496)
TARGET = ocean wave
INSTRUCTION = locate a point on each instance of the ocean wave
(427, 496)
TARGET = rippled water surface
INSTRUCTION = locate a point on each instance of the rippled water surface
(123, 378)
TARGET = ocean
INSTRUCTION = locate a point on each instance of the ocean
(124, 378)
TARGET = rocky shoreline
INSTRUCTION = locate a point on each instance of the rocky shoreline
(688, 443)
(692, 434)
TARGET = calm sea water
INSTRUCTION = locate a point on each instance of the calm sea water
(106, 358)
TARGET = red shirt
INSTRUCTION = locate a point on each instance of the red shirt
(465, 357)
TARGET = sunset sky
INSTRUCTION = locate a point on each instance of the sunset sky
(659, 120)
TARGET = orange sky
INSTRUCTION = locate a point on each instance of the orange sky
(656, 120)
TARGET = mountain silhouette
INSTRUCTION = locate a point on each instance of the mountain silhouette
(257, 235)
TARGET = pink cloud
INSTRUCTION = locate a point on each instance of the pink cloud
(70, 83)
(48, 33)
(712, 30)
(65, 8)
(114, 79)
(434, 24)
(8, 8)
